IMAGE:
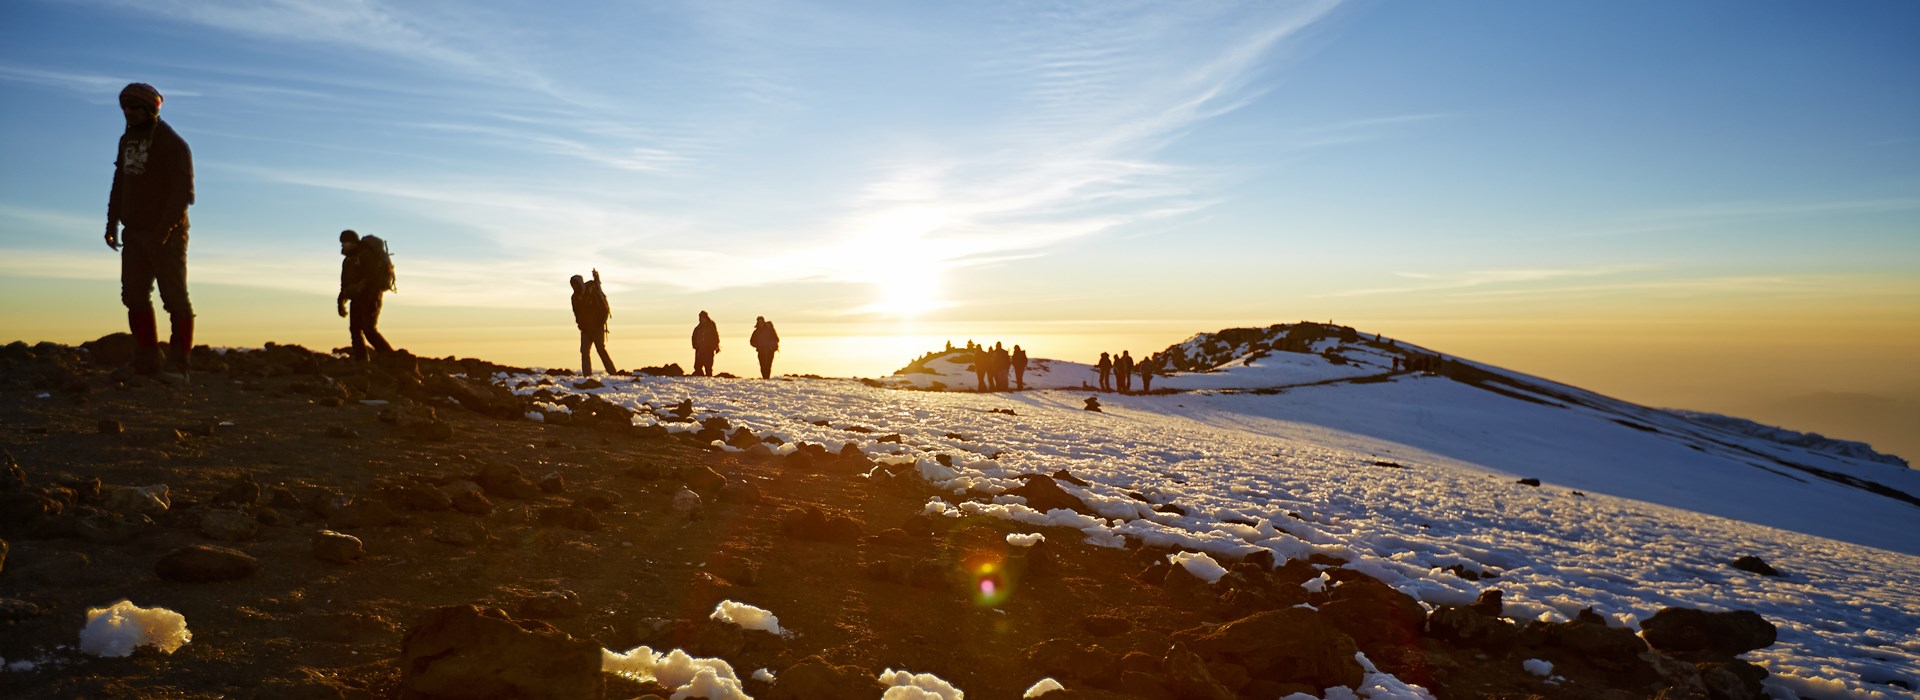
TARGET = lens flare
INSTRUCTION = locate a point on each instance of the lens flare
(990, 584)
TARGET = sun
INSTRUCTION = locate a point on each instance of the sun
(906, 294)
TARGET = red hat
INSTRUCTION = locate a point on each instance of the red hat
(141, 93)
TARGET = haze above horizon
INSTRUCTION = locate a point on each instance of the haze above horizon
(1709, 205)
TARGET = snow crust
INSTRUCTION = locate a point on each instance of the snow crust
(688, 676)
(747, 617)
(116, 630)
(1025, 540)
(1202, 567)
(1538, 667)
(907, 685)
(1046, 685)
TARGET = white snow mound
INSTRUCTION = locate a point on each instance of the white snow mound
(747, 617)
(117, 629)
(689, 677)
(907, 685)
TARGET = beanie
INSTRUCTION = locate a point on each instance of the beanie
(349, 236)
(142, 94)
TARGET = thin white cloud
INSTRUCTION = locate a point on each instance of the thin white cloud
(1722, 213)
(1455, 283)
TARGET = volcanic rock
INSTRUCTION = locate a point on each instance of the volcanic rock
(229, 525)
(200, 563)
(1289, 644)
(466, 651)
(337, 547)
(1700, 635)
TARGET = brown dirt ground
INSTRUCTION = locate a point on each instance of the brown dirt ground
(302, 627)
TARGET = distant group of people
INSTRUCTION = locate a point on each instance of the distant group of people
(1116, 373)
(992, 365)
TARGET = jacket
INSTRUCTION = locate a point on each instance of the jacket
(152, 180)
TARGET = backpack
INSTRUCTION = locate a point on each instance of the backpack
(379, 263)
(597, 300)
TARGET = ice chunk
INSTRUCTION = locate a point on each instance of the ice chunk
(117, 629)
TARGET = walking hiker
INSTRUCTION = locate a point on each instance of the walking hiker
(706, 344)
(1020, 368)
(152, 188)
(1123, 372)
(1105, 368)
(982, 366)
(765, 341)
(1001, 365)
(591, 313)
(366, 273)
(1146, 369)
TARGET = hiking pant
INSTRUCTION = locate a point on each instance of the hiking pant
(594, 339)
(702, 363)
(1020, 378)
(766, 364)
(145, 261)
(1104, 386)
(362, 316)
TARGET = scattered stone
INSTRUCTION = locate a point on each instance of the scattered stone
(201, 563)
(1698, 635)
(109, 426)
(467, 497)
(145, 500)
(229, 525)
(14, 610)
(1756, 565)
(1044, 495)
(468, 533)
(1289, 644)
(243, 492)
(341, 431)
(702, 479)
(1529, 481)
(1489, 603)
(415, 495)
(816, 679)
(466, 651)
(551, 605)
(1070, 659)
(505, 481)
(553, 483)
(686, 504)
(814, 524)
(570, 517)
(1374, 614)
(1186, 676)
(363, 512)
(598, 499)
(273, 517)
(337, 547)
(1093, 404)
(740, 492)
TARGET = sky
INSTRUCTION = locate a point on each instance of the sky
(1709, 205)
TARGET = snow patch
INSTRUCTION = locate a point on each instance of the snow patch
(117, 629)
(747, 617)
(906, 685)
(1202, 567)
(1025, 540)
(688, 676)
(1046, 685)
(1538, 667)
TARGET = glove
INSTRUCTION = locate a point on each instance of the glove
(342, 307)
(113, 236)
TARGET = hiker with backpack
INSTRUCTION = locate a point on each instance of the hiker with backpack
(366, 273)
(591, 313)
(152, 188)
(706, 344)
(766, 341)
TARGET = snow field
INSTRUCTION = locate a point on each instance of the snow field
(1251, 473)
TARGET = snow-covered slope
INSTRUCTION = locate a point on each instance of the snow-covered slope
(1406, 474)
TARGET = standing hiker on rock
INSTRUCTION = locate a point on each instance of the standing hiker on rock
(1104, 368)
(706, 344)
(591, 313)
(982, 361)
(1123, 372)
(366, 273)
(766, 342)
(1020, 368)
(152, 188)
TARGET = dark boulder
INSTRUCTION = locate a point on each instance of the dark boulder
(466, 651)
(202, 563)
(1044, 494)
(1290, 644)
(1699, 635)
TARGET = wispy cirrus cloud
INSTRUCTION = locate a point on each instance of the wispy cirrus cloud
(1477, 281)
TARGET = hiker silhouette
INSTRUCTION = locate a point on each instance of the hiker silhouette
(152, 188)
(706, 344)
(765, 342)
(590, 314)
(1105, 368)
(1019, 368)
(366, 273)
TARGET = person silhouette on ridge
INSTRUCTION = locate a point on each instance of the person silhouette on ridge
(590, 314)
(706, 344)
(1019, 368)
(982, 366)
(152, 188)
(766, 342)
(366, 273)
(1105, 368)
(1123, 372)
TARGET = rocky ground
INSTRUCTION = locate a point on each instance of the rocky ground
(333, 530)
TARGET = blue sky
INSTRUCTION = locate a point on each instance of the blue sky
(1444, 172)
